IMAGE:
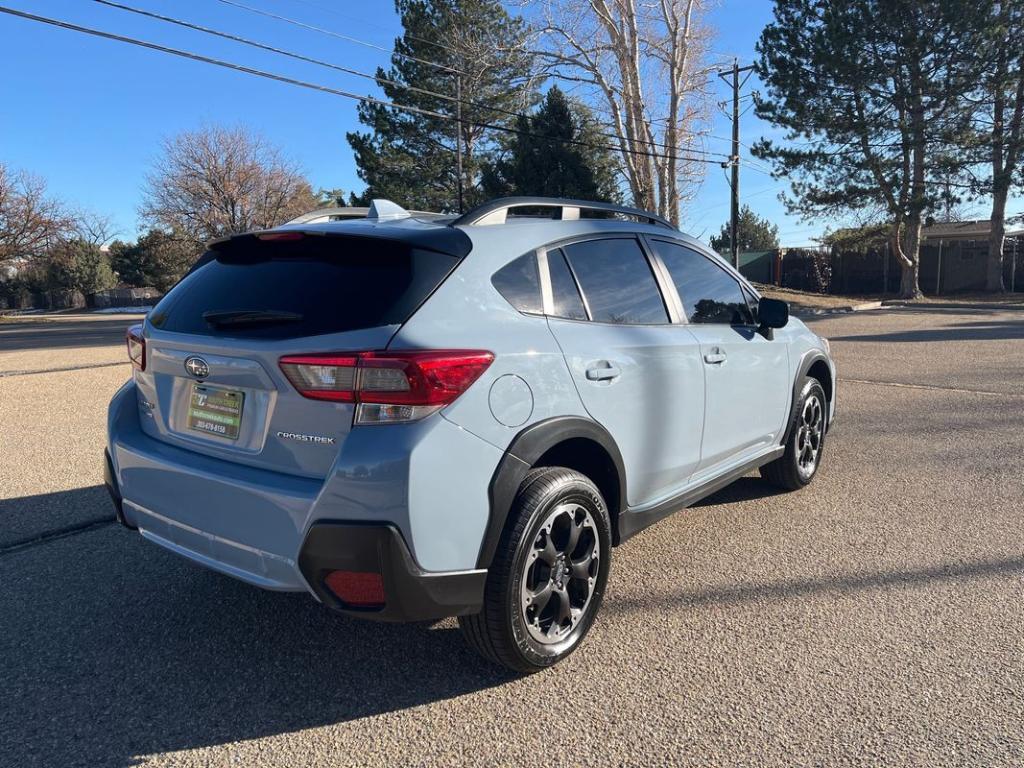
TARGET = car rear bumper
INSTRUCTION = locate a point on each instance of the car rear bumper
(280, 532)
(410, 593)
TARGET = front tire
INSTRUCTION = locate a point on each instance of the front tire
(549, 573)
(799, 464)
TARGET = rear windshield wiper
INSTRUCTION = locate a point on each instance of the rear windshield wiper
(237, 317)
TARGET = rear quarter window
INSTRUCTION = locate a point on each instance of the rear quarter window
(519, 282)
(330, 285)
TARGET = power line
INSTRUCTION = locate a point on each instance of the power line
(716, 206)
(335, 12)
(511, 113)
(754, 166)
(216, 62)
(365, 75)
(322, 88)
(340, 36)
(279, 51)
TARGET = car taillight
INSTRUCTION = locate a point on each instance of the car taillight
(136, 347)
(358, 589)
(387, 387)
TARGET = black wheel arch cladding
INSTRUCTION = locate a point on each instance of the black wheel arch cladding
(809, 361)
(542, 441)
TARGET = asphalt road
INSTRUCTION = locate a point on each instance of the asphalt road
(875, 618)
(62, 342)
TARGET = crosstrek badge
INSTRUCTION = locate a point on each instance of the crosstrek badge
(321, 439)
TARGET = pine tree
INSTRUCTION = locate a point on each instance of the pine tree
(410, 158)
(1002, 125)
(872, 95)
(753, 232)
(558, 152)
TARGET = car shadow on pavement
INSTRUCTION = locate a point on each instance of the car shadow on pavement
(744, 489)
(112, 649)
(993, 329)
(735, 594)
(27, 519)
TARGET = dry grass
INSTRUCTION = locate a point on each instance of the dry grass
(807, 300)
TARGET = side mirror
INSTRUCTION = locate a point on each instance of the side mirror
(771, 314)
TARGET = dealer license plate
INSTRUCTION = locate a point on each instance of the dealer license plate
(215, 411)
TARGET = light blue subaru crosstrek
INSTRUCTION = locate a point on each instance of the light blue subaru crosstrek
(414, 417)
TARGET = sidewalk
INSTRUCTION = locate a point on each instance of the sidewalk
(806, 303)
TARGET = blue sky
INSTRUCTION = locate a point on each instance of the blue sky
(88, 114)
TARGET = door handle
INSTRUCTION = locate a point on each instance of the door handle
(715, 356)
(603, 372)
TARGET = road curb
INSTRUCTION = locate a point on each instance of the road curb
(952, 304)
(863, 307)
(903, 304)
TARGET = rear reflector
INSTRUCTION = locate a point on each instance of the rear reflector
(359, 589)
(388, 387)
(136, 347)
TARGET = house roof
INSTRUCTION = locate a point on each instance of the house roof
(968, 230)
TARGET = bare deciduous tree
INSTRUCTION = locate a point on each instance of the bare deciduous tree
(646, 65)
(94, 228)
(218, 181)
(31, 221)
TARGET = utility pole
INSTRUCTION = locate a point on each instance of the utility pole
(458, 134)
(734, 159)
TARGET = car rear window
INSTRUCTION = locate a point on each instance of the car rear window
(307, 287)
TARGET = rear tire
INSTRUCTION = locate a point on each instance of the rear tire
(548, 576)
(797, 467)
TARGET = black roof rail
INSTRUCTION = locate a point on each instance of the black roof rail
(496, 211)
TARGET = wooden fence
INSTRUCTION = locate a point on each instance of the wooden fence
(951, 267)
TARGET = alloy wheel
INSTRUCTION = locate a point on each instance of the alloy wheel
(560, 573)
(809, 435)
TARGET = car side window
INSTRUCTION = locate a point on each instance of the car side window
(519, 283)
(709, 293)
(566, 301)
(616, 280)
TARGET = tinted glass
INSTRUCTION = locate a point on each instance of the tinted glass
(617, 281)
(709, 293)
(326, 284)
(567, 301)
(519, 284)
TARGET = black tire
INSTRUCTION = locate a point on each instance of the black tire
(797, 467)
(552, 504)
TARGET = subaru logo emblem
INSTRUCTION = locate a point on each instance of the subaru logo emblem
(197, 367)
